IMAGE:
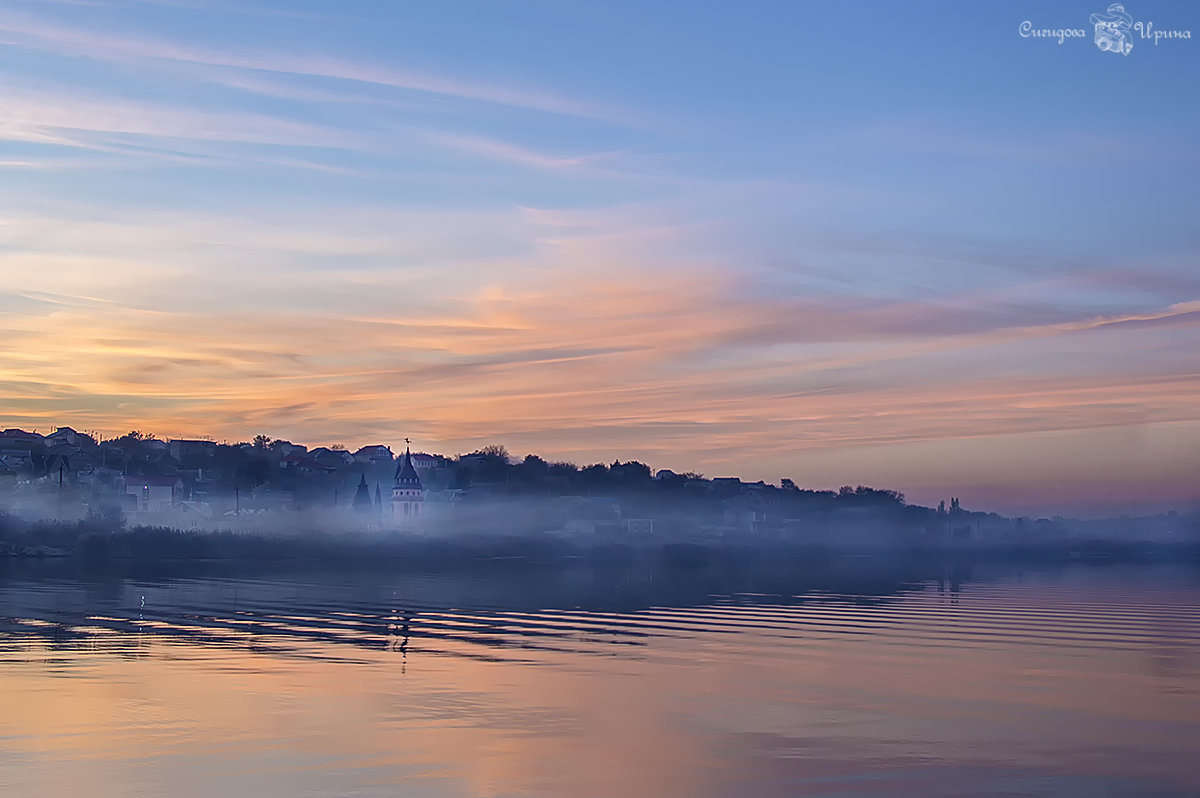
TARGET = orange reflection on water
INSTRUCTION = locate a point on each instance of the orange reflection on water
(975, 692)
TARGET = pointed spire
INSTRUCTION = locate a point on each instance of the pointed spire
(362, 496)
(406, 474)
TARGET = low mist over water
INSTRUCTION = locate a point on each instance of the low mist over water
(863, 677)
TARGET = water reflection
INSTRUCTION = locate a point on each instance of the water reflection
(849, 679)
(569, 609)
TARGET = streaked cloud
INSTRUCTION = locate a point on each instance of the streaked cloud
(591, 359)
(60, 117)
(31, 31)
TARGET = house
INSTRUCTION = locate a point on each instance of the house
(603, 508)
(197, 483)
(181, 448)
(19, 436)
(588, 516)
(580, 526)
(62, 450)
(154, 494)
(194, 514)
(102, 479)
(473, 462)
(59, 462)
(639, 527)
(424, 462)
(17, 459)
(326, 459)
(163, 462)
(448, 496)
(742, 518)
(376, 453)
(292, 461)
(111, 453)
(63, 435)
(593, 527)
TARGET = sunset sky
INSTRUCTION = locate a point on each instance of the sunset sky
(885, 243)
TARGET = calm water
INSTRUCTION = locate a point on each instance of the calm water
(1079, 681)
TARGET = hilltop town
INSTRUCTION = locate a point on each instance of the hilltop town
(272, 485)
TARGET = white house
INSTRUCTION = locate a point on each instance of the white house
(377, 453)
(154, 494)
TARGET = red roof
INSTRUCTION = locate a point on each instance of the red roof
(13, 432)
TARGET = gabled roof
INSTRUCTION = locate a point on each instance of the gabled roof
(58, 460)
(13, 432)
(325, 451)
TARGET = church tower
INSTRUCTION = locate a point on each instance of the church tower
(408, 497)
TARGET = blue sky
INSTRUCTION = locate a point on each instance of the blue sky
(896, 244)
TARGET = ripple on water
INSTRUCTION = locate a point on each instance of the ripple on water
(1045, 682)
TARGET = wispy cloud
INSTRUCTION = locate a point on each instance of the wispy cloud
(504, 151)
(61, 116)
(587, 360)
(31, 31)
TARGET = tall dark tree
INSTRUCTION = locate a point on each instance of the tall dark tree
(496, 452)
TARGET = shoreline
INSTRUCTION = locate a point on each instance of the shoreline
(84, 541)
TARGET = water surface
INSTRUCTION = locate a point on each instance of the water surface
(1068, 681)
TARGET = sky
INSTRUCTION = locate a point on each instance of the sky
(900, 245)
